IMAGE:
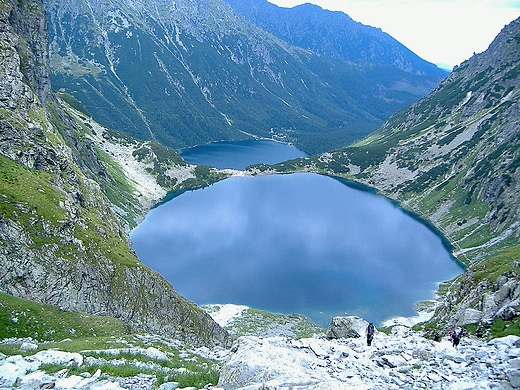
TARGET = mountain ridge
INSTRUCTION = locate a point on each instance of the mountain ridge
(333, 34)
(63, 242)
(198, 72)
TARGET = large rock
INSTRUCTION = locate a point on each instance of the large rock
(278, 363)
(471, 316)
(346, 327)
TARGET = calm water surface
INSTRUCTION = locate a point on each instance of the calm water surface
(300, 243)
(239, 154)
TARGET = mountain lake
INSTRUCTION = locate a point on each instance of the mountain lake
(240, 154)
(300, 243)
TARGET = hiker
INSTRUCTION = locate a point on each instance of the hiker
(370, 333)
(455, 337)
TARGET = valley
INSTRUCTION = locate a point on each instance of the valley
(87, 148)
(300, 243)
(188, 74)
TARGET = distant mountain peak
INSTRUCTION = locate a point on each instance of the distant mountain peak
(333, 34)
(192, 72)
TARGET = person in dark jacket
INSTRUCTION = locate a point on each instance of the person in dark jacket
(369, 332)
(455, 337)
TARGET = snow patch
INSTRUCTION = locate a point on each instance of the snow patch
(226, 313)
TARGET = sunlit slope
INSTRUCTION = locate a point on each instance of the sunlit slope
(452, 157)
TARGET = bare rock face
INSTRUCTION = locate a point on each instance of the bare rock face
(481, 303)
(31, 44)
(61, 242)
(346, 327)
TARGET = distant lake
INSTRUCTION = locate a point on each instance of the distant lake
(240, 154)
(300, 243)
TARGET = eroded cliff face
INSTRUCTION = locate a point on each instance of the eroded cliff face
(60, 240)
(25, 18)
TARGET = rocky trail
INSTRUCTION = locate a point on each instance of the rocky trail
(401, 360)
(392, 362)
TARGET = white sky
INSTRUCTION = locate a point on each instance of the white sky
(445, 32)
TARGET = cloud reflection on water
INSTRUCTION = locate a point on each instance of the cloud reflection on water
(295, 243)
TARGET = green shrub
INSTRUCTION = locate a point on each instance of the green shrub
(23, 318)
(501, 328)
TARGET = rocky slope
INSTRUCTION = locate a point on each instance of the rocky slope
(125, 362)
(335, 35)
(393, 362)
(453, 159)
(400, 360)
(61, 240)
(188, 73)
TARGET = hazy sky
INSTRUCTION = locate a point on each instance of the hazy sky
(444, 32)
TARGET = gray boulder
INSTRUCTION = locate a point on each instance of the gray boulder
(346, 327)
(471, 316)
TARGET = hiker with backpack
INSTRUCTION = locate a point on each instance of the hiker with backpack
(455, 337)
(369, 332)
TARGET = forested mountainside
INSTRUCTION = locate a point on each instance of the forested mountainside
(192, 72)
(453, 158)
(335, 35)
(66, 201)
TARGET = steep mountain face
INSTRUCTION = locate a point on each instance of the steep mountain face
(453, 157)
(335, 35)
(61, 240)
(192, 72)
(32, 51)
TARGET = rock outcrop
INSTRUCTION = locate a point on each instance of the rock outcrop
(346, 327)
(60, 240)
(392, 362)
(480, 303)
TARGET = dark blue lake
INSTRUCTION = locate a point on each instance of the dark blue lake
(239, 154)
(300, 243)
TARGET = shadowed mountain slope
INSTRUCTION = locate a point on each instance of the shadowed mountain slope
(187, 73)
(334, 34)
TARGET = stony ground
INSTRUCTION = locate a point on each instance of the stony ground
(58, 369)
(401, 360)
(398, 361)
(392, 362)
